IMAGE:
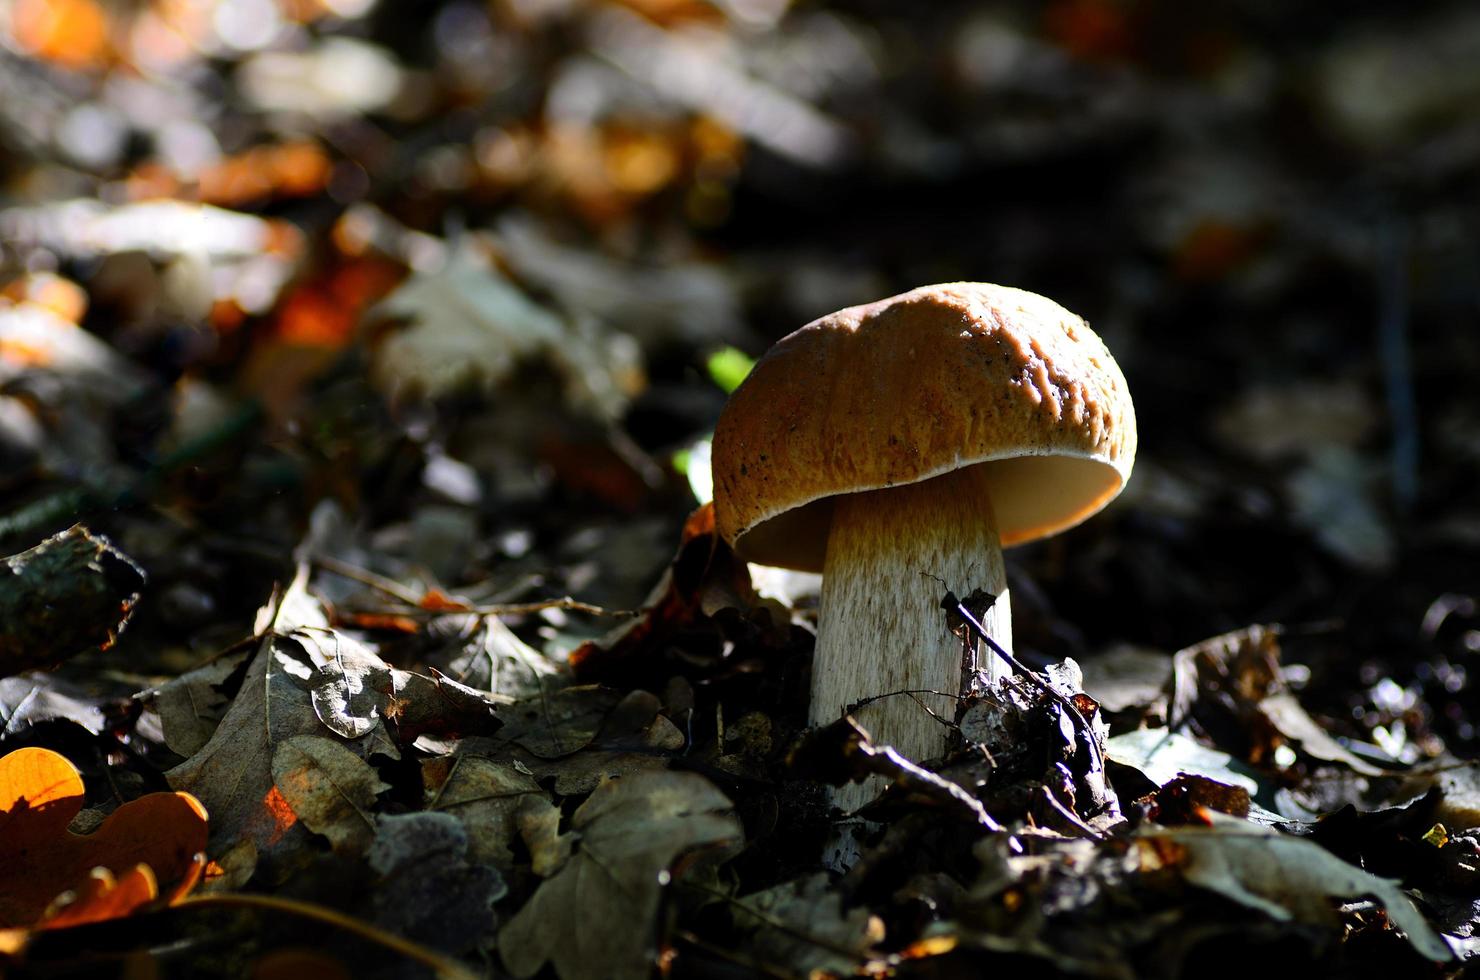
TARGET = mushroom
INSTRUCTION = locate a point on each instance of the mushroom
(901, 444)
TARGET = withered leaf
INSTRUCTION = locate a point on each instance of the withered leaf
(539, 826)
(192, 705)
(1284, 877)
(353, 690)
(550, 726)
(232, 772)
(632, 737)
(497, 661)
(802, 926)
(331, 790)
(484, 796)
(594, 919)
(432, 892)
(28, 699)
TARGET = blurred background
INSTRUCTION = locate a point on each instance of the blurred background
(481, 274)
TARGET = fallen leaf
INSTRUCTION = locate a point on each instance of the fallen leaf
(192, 705)
(493, 659)
(72, 592)
(102, 896)
(232, 772)
(539, 827)
(29, 699)
(554, 725)
(353, 691)
(332, 790)
(631, 737)
(484, 796)
(40, 794)
(434, 893)
(472, 327)
(803, 926)
(1286, 878)
(704, 577)
(594, 920)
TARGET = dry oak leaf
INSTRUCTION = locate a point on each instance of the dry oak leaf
(485, 796)
(40, 859)
(332, 790)
(594, 920)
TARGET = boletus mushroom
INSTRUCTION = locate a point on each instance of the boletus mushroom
(900, 445)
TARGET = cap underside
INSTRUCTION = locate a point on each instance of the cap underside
(1033, 496)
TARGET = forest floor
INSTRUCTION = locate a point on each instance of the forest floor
(373, 351)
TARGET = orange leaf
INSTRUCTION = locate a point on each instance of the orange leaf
(47, 289)
(40, 793)
(70, 33)
(101, 896)
(436, 600)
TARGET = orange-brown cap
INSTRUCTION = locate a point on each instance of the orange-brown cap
(910, 388)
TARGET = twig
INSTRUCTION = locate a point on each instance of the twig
(402, 594)
(884, 760)
(953, 604)
(364, 576)
(442, 965)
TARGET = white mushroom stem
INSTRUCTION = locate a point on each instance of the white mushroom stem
(882, 628)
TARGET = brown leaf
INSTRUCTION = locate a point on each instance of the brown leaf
(705, 576)
(232, 772)
(594, 919)
(332, 790)
(485, 796)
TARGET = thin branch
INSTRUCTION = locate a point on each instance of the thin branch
(443, 966)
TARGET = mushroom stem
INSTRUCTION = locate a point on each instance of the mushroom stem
(882, 627)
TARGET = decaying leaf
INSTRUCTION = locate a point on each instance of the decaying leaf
(497, 661)
(1162, 757)
(594, 920)
(353, 690)
(551, 726)
(539, 827)
(432, 892)
(631, 737)
(704, 577)
(192, 705)
(30, 699)
(305, 679)
(484, 796)
(72, 592)
(232, 772)
(1231, 686)
(471, 327)
(331, 789)
(40, 859)
(803, 927)
(1284, 877)
(102, 896)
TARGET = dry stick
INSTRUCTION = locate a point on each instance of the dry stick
(953, 604)
(364, 576)
(1069, 815)
(444, 966)
(399, 592)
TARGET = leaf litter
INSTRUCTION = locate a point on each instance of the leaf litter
(429, 314)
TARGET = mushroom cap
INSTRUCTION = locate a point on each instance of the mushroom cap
(913, 387)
